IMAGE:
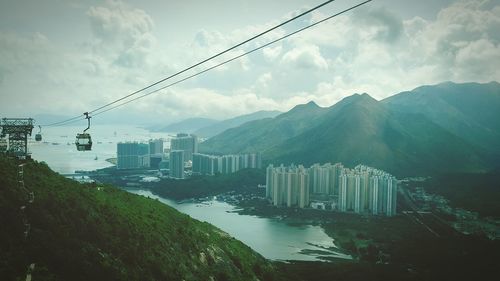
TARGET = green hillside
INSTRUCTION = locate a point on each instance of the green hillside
(363, 131)
(470, 110)
(85, 232)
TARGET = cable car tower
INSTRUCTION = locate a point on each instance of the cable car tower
(18, 130)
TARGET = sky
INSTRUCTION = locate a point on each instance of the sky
(66, 57)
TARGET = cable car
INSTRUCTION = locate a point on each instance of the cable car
(38, 137)
(84, 140)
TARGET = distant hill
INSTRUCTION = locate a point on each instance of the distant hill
(221, 126)
(383, 134)
(81, 232)
(259, 135)
(189, 125)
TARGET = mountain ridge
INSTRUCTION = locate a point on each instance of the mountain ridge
(282, 126)
(189, 125)
(361, 130)
(468, 110)
(219, 127)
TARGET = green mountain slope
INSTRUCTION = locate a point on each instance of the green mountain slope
(261, 134)
(470, 110)
(221, 126)
(360, 130)
(433, 129)
(82, 232)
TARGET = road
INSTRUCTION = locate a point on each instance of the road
(429, 220)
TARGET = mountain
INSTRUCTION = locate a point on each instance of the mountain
(361, 130)
(259, 135)
(432, 129)
(221, 126)
(90, 232)
(469, 110)
(186, 126)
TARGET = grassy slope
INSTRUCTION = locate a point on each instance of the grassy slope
(82, 233)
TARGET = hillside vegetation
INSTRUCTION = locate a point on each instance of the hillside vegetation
(474, 192)
(243, 181)
(86, 232)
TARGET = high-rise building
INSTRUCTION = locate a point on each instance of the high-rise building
(288, 186)
(132, 155)
(325, 179)
(155, 146)
(187, 143)
(204, 164)
(177, 164)
(360, 190)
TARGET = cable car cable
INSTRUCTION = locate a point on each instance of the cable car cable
(194, 65)
(232, 59)
(214, 56)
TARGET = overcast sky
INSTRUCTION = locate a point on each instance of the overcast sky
(66, 57)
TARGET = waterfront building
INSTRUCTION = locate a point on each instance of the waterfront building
(187, 143)
(176, 164)
(132, 155)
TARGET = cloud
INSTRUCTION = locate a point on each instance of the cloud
(475, 59)
(119, 22)
(461, 43)
(183, 103)
(383, 24)
(369, 50)
(272, 53)
(264, 79)
(306, 57)
(375, 48)
(122, 32)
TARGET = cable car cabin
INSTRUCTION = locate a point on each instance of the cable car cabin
(83, 142)
(38, 137)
